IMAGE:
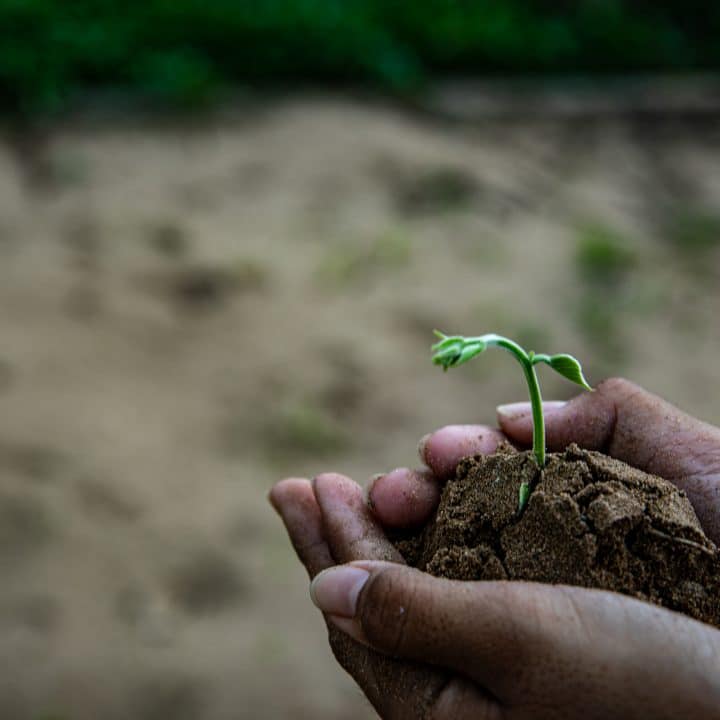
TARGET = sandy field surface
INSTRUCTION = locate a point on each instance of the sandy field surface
(192, 310)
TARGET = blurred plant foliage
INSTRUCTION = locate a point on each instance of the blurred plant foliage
(604, 256)
(605, 261)
(302, 428)
(694, 232)
(694, 235)
(185, 52)
(346, 263)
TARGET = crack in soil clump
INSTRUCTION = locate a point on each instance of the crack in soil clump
(591, 521)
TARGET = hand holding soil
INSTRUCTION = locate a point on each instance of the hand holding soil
(423, 646)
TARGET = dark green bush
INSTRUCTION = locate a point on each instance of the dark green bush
(185, 51)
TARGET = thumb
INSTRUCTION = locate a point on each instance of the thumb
(403, 612)
(527, 646)
(639, 428)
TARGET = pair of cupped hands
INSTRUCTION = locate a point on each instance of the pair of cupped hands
(430, 648)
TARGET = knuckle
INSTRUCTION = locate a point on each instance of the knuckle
(617, 387)
(624, 398)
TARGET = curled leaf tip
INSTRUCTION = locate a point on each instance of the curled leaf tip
(570, 368)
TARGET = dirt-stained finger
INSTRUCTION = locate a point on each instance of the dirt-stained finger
(352, 533)
(398, 689)
(403, 498)
(442, 450)
(295, 502)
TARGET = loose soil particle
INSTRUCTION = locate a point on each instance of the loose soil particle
(591, 521)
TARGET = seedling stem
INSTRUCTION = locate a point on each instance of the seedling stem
(451, 351)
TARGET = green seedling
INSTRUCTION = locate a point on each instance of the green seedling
(451, 351)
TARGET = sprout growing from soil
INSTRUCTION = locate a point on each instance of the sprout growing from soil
(454, 350)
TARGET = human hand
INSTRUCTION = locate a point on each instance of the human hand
(431, 648)
(619, 418)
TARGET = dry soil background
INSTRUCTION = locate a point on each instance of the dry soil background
(190, 311)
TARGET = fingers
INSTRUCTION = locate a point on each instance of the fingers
(295, 502)
(407, 498)
(442, 450)
(328, 521)
(534, 646)
(396, 688)
(389, 684)
(588, 420)
(641, 429)
(350, 530)
(403, 498)
(407, 613)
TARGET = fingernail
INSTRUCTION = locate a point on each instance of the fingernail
(336, 590)
(513, 410)
(422, 446)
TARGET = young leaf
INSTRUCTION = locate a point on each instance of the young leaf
(523, 496)
(470, 351)
(455, 350)
(569, 368)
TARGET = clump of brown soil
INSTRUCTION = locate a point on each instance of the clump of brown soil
(591, 521)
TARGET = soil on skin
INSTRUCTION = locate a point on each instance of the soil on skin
(591, 521)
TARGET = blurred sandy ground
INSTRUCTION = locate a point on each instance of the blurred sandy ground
(190, 311)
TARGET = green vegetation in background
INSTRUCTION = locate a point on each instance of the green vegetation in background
(185, 52)
(605, 261)
(348, 263)
(604, 256)
(694, 232)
